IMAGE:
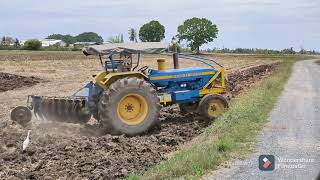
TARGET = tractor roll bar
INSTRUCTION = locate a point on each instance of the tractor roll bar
(138, 61)
(194, 58)
(198, 57)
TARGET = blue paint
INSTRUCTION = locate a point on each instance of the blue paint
(185, 84)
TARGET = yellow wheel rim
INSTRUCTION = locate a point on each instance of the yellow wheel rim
(132, 109)
(216, 108)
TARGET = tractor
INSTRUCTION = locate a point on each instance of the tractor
(126, 98)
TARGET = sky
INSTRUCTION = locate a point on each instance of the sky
(273, 24)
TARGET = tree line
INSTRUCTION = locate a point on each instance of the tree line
(7, 42)
(83, 37)
(262, 51)
(195, 32)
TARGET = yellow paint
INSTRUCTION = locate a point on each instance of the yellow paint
(218, 90)
(181, 75)
(215, 109)
(132, 109)
(99, 79)
(164, 99)
(215, 89)
(223, 85)
(161, 64)
(105, 79)
(213, 78)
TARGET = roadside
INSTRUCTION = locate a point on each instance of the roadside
(292, 136)
(230, 136)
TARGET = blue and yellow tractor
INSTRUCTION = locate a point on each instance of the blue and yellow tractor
(126, 98)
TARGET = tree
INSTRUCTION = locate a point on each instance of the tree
(83, 37)
(302, 51)
(121, 38)
(89, 37)
(116, 39)
(7, 41)
(132, 35)
(68, 39)
(152, 32)
(32, 44)
(197, 31)
(16, 43)
(3, 40)
(288, 51)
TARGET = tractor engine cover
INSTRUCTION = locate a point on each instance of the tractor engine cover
(179, 76)
(182, 84)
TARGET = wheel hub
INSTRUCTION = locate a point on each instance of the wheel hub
(132, 109)
(129, 107)
(215, 109)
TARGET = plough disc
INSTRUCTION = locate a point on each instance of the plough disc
(69, 109)
(21, 115)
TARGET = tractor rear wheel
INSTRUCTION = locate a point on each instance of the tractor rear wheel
(129, 106)
(212, 106)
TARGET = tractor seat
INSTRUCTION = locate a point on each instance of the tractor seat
(116, 63)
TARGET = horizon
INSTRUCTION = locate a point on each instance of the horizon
(266, 24)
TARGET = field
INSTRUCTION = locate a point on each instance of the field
(73, 151)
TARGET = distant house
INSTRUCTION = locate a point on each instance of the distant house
(22, 42)
(79, 45)
(51, 42)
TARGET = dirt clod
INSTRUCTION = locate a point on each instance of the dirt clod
(242, 78)
(12, 81)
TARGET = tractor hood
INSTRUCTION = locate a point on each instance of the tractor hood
(132, 48)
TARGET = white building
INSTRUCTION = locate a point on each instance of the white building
(51, 42)
(79, 45)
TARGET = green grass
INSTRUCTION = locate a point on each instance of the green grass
(231, 135)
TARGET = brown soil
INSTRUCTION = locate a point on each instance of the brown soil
(318, 62)
(69, 151)
(41, 55)
(12, 81)
(243, 78)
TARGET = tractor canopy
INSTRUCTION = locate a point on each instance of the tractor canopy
(131, 48)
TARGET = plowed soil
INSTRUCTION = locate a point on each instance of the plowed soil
(12, 81)
(68, 151)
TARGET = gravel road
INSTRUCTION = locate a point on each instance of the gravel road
(292, 134)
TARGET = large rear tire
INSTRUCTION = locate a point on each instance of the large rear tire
(129, 106)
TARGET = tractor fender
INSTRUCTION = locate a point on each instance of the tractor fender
(104, 79)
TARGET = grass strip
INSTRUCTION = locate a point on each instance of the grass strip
(231, 135)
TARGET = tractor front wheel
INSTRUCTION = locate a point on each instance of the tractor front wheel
(129, 106)
(212, 106)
